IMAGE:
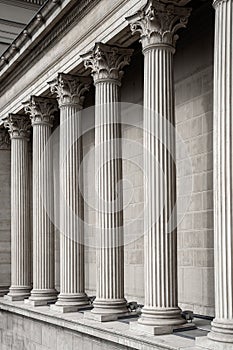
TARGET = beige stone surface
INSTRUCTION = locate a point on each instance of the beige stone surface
(5, 214)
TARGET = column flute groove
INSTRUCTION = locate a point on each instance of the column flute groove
(19, 129)
(222, 326)
(106, 63)
(41, 111)
(157, 24)
(70, 92)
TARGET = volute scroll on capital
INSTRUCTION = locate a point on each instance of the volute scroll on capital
(107, 62)
(216, 3)
(158, 22)
(70, 89)
(19, 126)
(41, 110)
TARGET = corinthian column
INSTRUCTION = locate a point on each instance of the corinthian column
(106, 63)
(222, 326)
(41, 111)
(157, 24)
(19, 129)
(70, 93)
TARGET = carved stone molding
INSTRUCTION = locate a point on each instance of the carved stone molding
(216, 3)
(75, 15)
(70, 89)
(18, 126)
(4, 139)
(159, 21)
(107, 62)
(41, 109)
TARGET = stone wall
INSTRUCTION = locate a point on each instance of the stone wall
(194, 123)
(23, 333)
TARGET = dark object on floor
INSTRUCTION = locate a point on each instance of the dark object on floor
(187, 315)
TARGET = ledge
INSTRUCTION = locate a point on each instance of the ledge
(117, 332)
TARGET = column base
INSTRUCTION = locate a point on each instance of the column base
(71, 303)
(222, 331)
(168, 318)
(206, 343)
(41, 297)
(159, 330)
(18, 293)
(107, 310)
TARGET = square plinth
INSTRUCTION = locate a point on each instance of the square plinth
(39, 302)
(160, 330)
(15, 297)
(104, 317)
(68, 308)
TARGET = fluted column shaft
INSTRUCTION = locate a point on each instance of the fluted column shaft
(71, 247)
(43, 247)
(160, 190)
(41, 112)
(110, 277)
(19, 129)
(222, 326)
(70, 90)
(106, 63)
(157, 24)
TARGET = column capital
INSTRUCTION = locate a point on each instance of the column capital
(70, 89)
(158, 22)
(18, 126)
(216, 3)
(41, 110)
(107, 62)
(4, 139)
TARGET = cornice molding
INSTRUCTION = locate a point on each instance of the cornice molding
(107, 62)
(70, 89)
(58, 31)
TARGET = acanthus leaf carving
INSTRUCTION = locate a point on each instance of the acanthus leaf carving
(19, 126)
(41, 110)
(158, 22)
(107, 62)
(70, 89)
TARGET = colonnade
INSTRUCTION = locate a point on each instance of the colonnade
(157, 24)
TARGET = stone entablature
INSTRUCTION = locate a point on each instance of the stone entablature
(43, 17)
(112, 18)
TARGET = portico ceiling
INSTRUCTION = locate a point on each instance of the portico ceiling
(14, 16)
